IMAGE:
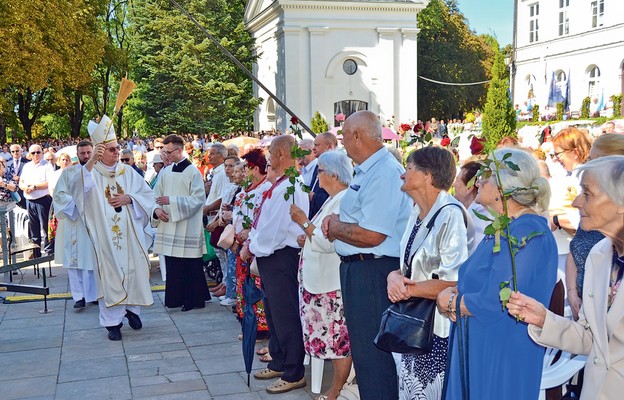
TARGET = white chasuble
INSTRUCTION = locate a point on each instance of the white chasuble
(120, 237)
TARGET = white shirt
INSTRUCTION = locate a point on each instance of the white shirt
(219, 182)
(33, 174)
(275, 229)
(307, 172)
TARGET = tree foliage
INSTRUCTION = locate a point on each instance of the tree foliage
(499, 117)
(319, 124)
(185, 84)
(48, 47)
(449, 52)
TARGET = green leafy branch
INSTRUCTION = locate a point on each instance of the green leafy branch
(500, 222)
(291, 172)
(247, 204)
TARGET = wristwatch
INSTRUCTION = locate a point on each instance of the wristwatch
(306, 225)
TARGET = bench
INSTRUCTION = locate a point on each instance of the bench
(43, 290)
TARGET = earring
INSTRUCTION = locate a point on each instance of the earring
(496, 199)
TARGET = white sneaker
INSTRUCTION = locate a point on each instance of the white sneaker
(228, 302)
(222, 297)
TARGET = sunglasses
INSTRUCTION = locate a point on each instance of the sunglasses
(159, 147)
(35, 152)
(125, 160)
(113, 149)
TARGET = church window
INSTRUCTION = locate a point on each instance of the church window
(533, 22)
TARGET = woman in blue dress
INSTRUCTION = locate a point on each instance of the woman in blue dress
(503, 362)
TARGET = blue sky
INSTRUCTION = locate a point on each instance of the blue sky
(490, 16)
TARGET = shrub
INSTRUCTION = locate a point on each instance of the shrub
(559, 114)
(319, 125)
(585, 107)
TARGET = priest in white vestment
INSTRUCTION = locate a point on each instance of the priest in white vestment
(180, 196)
(115, 203)
(73, 249)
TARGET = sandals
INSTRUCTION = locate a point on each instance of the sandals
(322, 397)
(266, 358)
(262, 351)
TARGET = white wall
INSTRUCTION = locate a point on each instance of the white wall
(304, 43)
(575, 52)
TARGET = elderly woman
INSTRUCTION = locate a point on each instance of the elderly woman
(584, 241)
(441, 250)
(325, 334)
(6, 186)
(501, 359)
(245, 208)
(599, 332)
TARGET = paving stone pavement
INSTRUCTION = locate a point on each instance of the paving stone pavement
(66, 355)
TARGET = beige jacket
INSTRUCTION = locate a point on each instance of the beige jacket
(598, 334)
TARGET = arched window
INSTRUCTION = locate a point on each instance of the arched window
(348, 107)
(593, 81)
(560, 76)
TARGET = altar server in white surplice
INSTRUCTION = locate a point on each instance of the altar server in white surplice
(180, 196)
(116, 203)
(72, 247)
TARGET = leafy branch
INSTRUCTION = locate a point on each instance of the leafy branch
(247, 204)
(296, 152)
(500, 222)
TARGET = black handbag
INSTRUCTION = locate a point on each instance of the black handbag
(407, 326)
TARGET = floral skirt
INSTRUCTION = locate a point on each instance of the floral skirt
(422, 376)
(325, 333)
(241, 273)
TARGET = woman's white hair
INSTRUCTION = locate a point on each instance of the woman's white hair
(608, 172)
(537, 194)
(336, 163)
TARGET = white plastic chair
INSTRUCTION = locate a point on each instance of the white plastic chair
(316, 372)
(20, 218)
(558, 373)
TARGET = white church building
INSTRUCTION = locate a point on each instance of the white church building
(575, 47)
(335, 57)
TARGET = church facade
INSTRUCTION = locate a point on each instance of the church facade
(335, 57)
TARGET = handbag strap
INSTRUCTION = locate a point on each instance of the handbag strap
(462, 341)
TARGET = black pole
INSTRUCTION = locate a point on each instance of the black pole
(240, 65)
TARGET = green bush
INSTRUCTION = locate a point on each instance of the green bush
(319, 125)
(617, 105)
(585, 107)
(536, 114)
(499, 116)
(559, 114)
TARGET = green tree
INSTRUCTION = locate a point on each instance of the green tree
(47, 47)
(319, 125)
(449, 51)
(185, 83)
(499, 117)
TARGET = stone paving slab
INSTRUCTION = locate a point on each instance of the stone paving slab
(65, 355)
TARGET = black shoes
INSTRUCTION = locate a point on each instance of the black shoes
(114, 332)
(80, 303)
(133, 320)
(189, 308)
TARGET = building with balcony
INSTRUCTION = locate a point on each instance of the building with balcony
(567, 50)
(334, 57)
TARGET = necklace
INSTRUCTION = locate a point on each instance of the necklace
(617, 270)
(522, 212)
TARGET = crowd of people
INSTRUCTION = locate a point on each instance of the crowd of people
(353, 233)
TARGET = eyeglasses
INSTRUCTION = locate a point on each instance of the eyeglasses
(125, 160)
(35, 152)
(113, 149)
(559, 153)
(166, 153)
(320, 170)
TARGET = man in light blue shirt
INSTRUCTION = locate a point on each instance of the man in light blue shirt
(367, 234)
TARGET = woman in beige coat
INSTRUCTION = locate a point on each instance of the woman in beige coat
(599, 332)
